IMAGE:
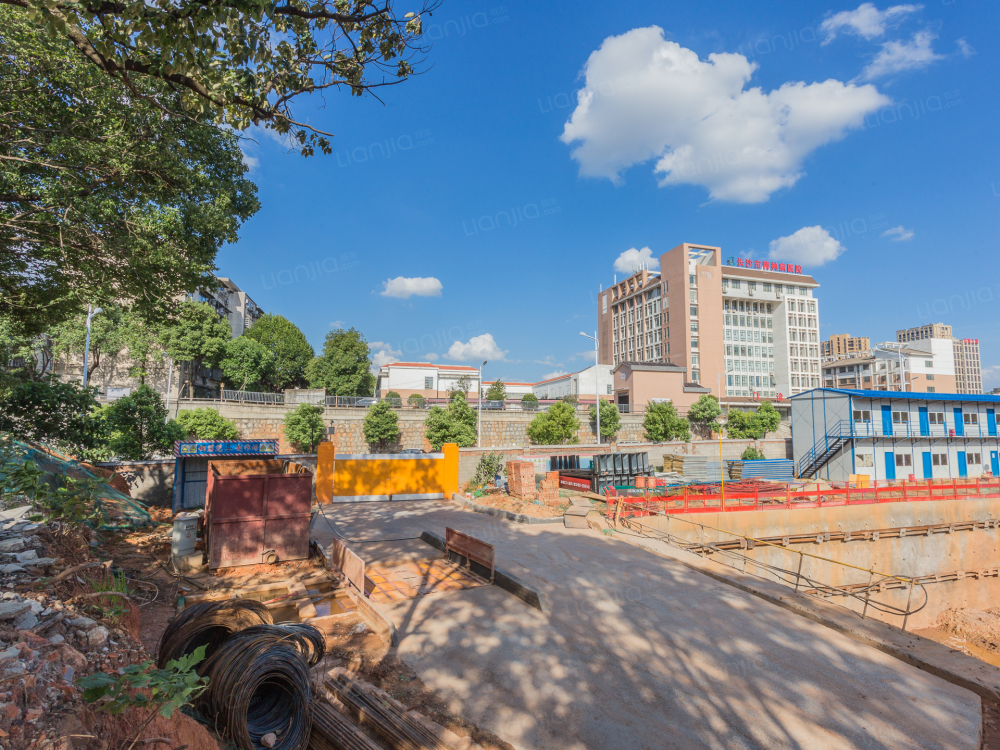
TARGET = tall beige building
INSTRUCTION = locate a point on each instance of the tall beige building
(843, 344)
(965, 352)
(743, 327)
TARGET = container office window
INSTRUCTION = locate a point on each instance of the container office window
(936, 417)
(904, 459)
(899, 417)
(939, 459)
(974, 459)
(862, 416)
(866, 460)
(970, 418)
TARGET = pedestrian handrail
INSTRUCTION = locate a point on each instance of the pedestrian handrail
(253, 397)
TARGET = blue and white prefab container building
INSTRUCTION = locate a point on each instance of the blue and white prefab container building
(894, 435)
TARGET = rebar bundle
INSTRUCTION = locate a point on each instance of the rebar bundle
(331, 730)
(209, 624)
(258, 684)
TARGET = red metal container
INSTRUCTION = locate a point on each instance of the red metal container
(257, 511)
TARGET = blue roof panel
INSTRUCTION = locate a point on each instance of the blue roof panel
(979, 398)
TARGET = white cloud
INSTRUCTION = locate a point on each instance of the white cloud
(647, 98)
(556, 374)
(382, 354)
(402, 287)
(478, 348)
(991, 377)
(899, 234)
(899, 56)
(252, 162)
(337, 324)
(629, 260)
(964, 48)
(867, 21)
(810, 246)
(432, 357)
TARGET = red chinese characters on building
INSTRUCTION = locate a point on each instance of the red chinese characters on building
(765, 265)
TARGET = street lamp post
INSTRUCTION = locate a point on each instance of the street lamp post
(597, 382)
(479, 432)
(91, 312)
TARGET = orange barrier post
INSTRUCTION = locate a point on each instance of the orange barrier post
(325, 457)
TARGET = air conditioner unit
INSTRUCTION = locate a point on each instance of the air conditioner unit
(778, 295)
(750, 292)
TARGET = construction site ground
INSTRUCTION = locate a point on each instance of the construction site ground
(640, 651)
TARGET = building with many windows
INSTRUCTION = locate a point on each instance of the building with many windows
(892, 435)
(842, 345)
(745, 328)
(964, 352)
(891, 366)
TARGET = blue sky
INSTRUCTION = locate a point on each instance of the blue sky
(478, 210)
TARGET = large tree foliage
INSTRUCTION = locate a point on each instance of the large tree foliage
(246, 364)
(238, 62)
(705, 410)
(107, 337)
(747, 425)
(456, 424)
(555, 426)
(104, 196)
(198, 336)
(345, 367)
(138, 426)
(497, 391)
(292, 353)
(662, 423)
(60, 414)
(381, 426)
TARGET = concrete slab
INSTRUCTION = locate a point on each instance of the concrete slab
(639, 651)
(373, 546)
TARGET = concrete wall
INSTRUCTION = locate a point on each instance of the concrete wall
(150, 482)
(908, 556)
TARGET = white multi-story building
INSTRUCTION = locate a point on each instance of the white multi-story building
(580, 384)
(426, 379)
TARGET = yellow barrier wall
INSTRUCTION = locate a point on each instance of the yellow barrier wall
(384, 476)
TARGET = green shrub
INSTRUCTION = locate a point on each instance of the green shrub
(611, 420)
(662, 423)
(456, 424)
(497, 391)
(529, 402)
(745, 425)
(304, 428)
(489, 466)
(138, 426)
(416, 400)
(393, 398)
(556, 426)
(381, 426)
(60, 414)
(207, 424)
(752, 454)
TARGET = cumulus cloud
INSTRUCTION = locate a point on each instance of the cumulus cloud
(898, 234)
(337, 324)
(432, 357)
(556, 374)
(866, 21)
(648, 98)
(964, 48)
(896, 57)
(477, 348)
(403, 287)
(383, 354)
(810, 246)
(631, 259)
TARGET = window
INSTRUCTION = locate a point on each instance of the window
(898, 417)
(931, 390)
(939, 459)
(862, 415)
(974, 459)
(604, 303)
(752, 285)
(694, 376)
(929, 363)
(904, 459)
(929, 376)
(936, 417)
(694, 311)
(736, 283)
(694, 326)
(972, 418)
(866, 460)
(777, 288)
(766, 287)
(429, 383)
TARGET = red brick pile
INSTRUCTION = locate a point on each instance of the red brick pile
(521, 479)
(549, 488)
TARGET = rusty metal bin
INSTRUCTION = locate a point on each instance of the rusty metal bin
(257, 511)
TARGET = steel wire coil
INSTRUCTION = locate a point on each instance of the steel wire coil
(258, 684)
(209, 624)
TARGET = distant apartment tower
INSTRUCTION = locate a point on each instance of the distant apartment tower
(231, 303)
(964, 352)
(892, 366)
(843, 344)
(740, 326)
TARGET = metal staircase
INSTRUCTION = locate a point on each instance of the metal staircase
(823, 451)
